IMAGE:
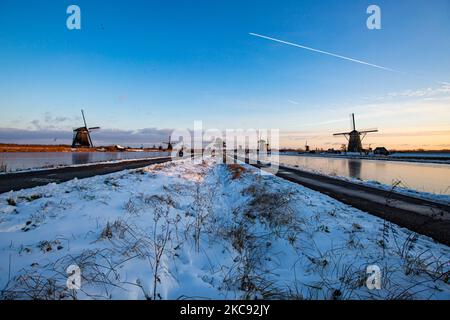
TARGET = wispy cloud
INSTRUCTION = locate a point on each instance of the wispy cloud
(293, 102)
(422, 93)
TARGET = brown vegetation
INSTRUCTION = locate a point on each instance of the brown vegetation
(236, 170)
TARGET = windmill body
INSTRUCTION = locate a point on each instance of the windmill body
(169, 144)
(355, 137)
(82, 136)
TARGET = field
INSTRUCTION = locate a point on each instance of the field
(206, 230)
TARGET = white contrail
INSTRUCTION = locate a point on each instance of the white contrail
(325, 52)
(442, 83)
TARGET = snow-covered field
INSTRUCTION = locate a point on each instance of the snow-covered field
(206, 230)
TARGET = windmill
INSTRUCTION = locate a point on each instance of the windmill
(268, 147)
(355, 137)
(82, 136)
(169, 144)
(262, 145)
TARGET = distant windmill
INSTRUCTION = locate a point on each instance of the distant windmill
(169, 144)
(355, 137)
(82, 136)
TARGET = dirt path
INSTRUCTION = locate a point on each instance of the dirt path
(23, 180)
(422, 216)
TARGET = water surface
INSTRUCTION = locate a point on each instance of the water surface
(427, 177)
(15, 161)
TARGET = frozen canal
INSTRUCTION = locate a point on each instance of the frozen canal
(14, 161)
(424, 177)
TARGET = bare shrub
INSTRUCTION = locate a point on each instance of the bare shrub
(117, 229)
(131, 207)
(200, 210)
(47, 246)
(161, 236)
(249, 275)
(11, 201)
(272, 208)
(49, 281)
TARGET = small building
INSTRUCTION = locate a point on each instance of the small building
(332, 151)
(381, 151)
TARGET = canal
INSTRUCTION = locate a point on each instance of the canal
(424, 177)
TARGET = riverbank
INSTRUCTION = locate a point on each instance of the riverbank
(68, 148)
(30, 179)
(12, 162)
(442, 158)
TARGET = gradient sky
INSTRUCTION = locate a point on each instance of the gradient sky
(141, 66)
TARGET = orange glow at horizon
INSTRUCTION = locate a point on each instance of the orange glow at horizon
(432, 140)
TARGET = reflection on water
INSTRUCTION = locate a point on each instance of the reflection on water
(354, 168)
(428, 177)
(30, 160)
(81, 158)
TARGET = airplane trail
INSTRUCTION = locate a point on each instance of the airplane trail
(443, 83)
(325, 52)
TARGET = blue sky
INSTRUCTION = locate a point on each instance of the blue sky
(164, 64)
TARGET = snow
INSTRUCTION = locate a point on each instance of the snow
(421, 155)
(203, 230)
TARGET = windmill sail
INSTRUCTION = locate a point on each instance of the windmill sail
(355, 137)
(82, 136)
(169, 144)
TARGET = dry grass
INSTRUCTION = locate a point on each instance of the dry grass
(236, 170)
(49, 281)
(11, 202)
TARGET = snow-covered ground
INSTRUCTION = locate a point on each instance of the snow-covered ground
(206, 230)
(421, 155)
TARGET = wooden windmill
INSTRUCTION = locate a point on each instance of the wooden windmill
(82, 136)
(169, 144)
(355, 137)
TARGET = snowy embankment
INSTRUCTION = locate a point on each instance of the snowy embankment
(398, 157)
(203, 230)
